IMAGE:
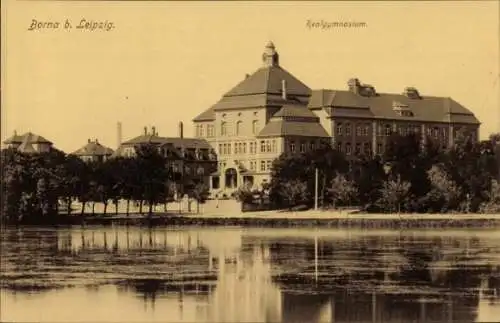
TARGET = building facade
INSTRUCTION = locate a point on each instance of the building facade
(271, 112)
(190, 160)
(29, 143)
(94, 151)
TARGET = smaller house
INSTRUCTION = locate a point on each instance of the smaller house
(29, 143)
(94, 151)
(190, 160)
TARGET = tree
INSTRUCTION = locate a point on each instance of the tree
(492, 205)
(302, 167)
(244, 194)
(444, 195)
(393, 194)
(369, 179)
(200, 193)
(341, 190)
(294, 192)
(152, 166)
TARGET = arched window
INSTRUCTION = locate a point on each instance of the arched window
(255, 127)
(238, 128)
(223, 128)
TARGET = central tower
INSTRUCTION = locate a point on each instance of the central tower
(270, 56)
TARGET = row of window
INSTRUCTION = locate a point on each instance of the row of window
(263, 165)
(266, 146)
(302, 146)
(346, 129)
(238, 130)
(358, 148)
(209, 128)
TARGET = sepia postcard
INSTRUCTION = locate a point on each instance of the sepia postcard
(250, 161)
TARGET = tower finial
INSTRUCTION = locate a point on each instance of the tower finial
(270, 56)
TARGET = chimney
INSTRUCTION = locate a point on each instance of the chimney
(153, 130)
(354, 85)
(411, 93)
(181, 130)
(118, 134)
(247, 76)
(88, 140)
(283, 89)
(96, 141)
(145, 130)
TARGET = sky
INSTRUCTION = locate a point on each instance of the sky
(165, 62)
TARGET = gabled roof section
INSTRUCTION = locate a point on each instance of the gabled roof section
(268, 80)
(175, 141)
(283, 128)
(207, 115)
(93, 148)
(295, 111)
(269, 85)
(293, 120)
(29, 137)
(426, 108)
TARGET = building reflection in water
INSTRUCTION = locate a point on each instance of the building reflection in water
(236, 275)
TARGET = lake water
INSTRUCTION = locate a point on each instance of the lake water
(131, 274)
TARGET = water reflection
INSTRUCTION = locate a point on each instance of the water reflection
(253, 275)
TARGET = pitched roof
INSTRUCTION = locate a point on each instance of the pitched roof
(281, 128)
(93, 148)
(293, 120)
(29, 137)
(427, 108)
(207, 115)
(175, 141)
(295, 111)
(262, 88)
(268, 80)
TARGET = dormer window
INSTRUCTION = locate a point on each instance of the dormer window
(403, 110)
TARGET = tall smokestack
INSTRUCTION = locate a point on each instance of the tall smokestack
(283, 89)
(145, 130)
(118, 134)
(153, 130)
(181, 130)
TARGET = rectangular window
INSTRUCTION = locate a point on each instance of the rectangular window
(388, 129)
(274, 146)
(358, 130)
(339, 129)
(262, 165)
(268, 146)
(379, 148)
(339, 146)
(347, 129)
(244, 147)
(311, 146)
(348, 148)
(221, 151)
(269, 164)
(262, 146)
(366, 129)
(366, 148)
(358, 148)
(302, 147)
(201, 131)
(292, 147)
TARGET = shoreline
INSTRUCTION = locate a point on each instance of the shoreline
(284, 219)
